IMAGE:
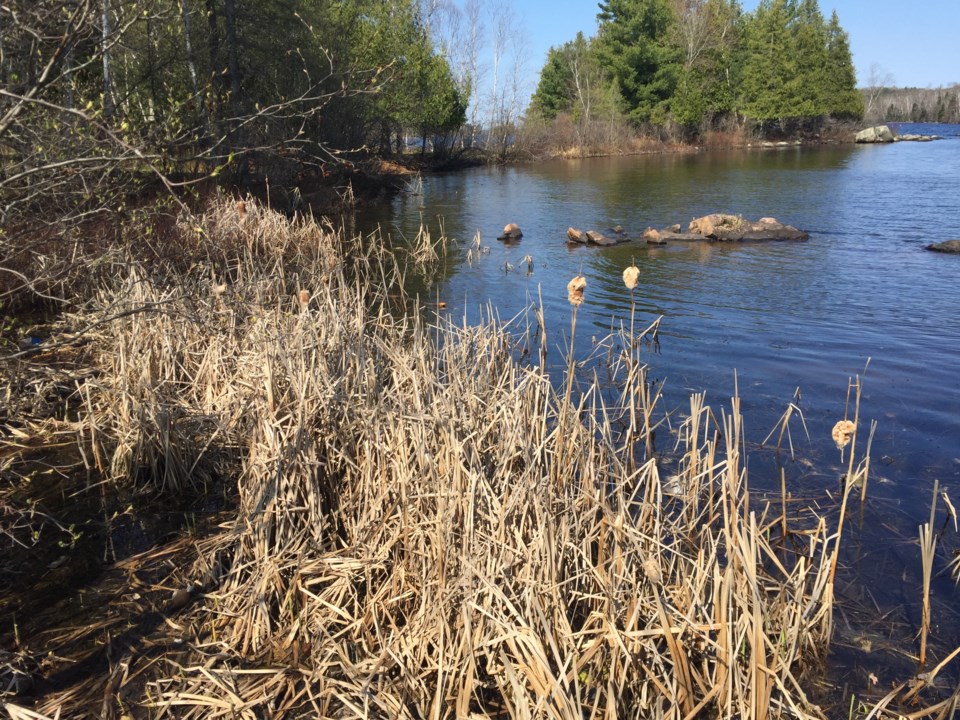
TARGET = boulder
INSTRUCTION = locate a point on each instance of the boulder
(948, 246)
(878, 134)
(653, 236)
(576, 236)
(597, 238)
(711, 226)
(511, 231)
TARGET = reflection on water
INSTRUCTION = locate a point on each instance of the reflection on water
(782, 316)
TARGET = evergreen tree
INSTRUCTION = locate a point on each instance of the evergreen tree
(707, 34)
(769, 65)
(634, 47)
(844, 101)
(553, 95)
(572, 81)
(806, 91)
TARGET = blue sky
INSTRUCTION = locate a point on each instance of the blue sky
(916, 43)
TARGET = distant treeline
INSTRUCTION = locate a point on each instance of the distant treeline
(686, 67)
(890, 104)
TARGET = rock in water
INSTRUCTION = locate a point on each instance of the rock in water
(597, 238)
(878, 134)
(948, 246)
(576, 236)
(511, 231)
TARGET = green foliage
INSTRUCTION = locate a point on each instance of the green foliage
(796, 67)
(844, 101)
(634, 47)
(554, 93)
(693, 64)
(707, 33)
(573, 81)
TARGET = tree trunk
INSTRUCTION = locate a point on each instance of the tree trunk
(105, 51)
(192, 67)
(233, 65)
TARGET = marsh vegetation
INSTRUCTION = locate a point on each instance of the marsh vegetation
(375, 512)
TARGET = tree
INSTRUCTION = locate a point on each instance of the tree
(797, 69)
(769, 66)
(707, 33)
(807, 91)
(553, 95)
(634, 47)
(100, 99)
(844, 101)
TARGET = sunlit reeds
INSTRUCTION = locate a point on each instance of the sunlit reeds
(425, 527)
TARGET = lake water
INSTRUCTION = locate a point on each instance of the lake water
(807, 315)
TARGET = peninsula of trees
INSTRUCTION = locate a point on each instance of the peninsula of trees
(684, 67)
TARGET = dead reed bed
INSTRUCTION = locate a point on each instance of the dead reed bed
(426, 526)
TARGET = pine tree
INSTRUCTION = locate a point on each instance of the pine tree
(807, 92)
(844, 101)
(553, 94)
(707, 34)
(768, 63)
(633, 46)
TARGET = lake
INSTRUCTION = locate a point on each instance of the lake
(862, 293)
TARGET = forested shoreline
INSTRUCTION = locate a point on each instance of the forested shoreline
(685, 69)
(111, 106)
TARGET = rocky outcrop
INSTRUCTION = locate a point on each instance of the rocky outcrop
(910, 137)
(948, 246)
(878, 134)
(511, 231)
(721, 227)
(594, 237)
(598, 238)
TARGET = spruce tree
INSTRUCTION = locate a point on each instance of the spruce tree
(769, 65)
(633, 46)
(844, 101)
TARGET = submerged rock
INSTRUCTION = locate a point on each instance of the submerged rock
(948, 246)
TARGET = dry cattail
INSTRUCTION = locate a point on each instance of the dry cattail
(842, 433)
(651, 568)
(631, 276)
(575, 290)
(304, 299)
(241, 209)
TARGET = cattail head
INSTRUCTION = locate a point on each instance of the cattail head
(575, 290)
(631, 276)
(303, 298)
(241, 209)
(843, 432)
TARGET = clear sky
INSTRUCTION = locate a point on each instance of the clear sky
(916, 43)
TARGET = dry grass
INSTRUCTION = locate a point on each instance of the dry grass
(427, 527)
